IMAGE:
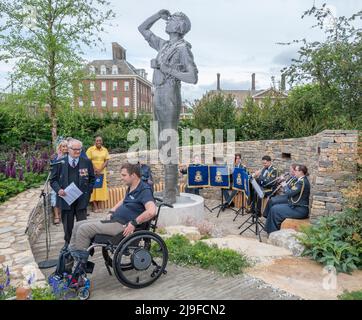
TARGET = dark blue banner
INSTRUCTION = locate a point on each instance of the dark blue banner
(241, 180)
(219, 176)
(198, 176)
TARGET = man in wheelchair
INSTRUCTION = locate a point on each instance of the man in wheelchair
(135, 209)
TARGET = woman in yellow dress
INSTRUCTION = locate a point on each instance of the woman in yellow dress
(99, 156)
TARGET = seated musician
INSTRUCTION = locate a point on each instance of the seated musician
(137, 207)
(228, 197)
(183, 170)
(298, 202)
(267, 179)
(282, 198)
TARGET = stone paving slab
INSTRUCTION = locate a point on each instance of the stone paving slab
(257, 251)
(306, 278)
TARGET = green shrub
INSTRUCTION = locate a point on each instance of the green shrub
(354, 295)
(226, 261)
(10, 187)
(336, 240)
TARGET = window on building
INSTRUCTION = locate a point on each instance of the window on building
(126, 101)
(104, 103)
(114, 69)
(103, 86)
(93, 104)
(126, 114)
(126, 86)
(115, 102)
(115, 85)
(92, 69)
(80, 102)
(103, 70)
(91, 86)
(80, 87)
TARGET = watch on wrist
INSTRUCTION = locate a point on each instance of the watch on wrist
(134, 223)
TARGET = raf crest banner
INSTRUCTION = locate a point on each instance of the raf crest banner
(219, 176)
(197, 176)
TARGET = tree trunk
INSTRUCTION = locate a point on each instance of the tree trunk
(51, 76)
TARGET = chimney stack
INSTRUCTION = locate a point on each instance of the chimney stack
(218, 82)
(282, 83)
(119, 53)
(253, 82)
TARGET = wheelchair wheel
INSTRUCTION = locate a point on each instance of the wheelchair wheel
(83, 294)
(140, 259)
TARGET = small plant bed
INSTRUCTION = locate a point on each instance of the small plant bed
(226, 261)
(336, 240)
(353, 295)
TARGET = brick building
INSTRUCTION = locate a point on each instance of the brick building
(115, 85)
(257, 96)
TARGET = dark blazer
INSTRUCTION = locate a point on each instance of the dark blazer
(298, 194)
(59, 180)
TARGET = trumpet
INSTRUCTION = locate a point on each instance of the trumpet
(278, 179)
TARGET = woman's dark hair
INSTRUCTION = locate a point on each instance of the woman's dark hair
(132, 168)
(266, 158)
(302, 168)
(237, 155)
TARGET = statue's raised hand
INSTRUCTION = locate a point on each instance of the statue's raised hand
(164, 14)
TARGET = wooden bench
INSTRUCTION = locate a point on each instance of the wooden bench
(118, 193)
(295, 224)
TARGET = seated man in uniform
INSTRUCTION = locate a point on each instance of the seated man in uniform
(298, 202)
(267, 179)
(282, 198)
(137, 207)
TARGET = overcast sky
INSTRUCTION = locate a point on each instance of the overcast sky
(232, 37)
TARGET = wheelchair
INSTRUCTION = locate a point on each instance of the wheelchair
(137, 260)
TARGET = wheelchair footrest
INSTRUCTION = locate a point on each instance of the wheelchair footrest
(89, 267)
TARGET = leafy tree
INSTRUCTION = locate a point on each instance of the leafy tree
(334, 64)
(46, 39)
(215, 112)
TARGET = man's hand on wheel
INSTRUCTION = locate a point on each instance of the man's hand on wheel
(129, 230)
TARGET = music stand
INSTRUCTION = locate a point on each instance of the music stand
(242, 208)
(254, 217)
(221, 204)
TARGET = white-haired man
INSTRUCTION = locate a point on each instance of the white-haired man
(77, 170)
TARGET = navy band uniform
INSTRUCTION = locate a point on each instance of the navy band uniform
(296, 208)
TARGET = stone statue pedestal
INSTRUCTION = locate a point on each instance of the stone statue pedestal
(187, 206)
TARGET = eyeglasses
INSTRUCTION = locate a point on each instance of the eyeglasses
(76, 149)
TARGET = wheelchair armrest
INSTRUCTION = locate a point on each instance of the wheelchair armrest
(162, 203)
(166, 205)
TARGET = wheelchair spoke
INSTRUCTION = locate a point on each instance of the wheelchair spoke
(155, 263)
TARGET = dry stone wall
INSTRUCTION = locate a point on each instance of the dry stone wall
(331, 157)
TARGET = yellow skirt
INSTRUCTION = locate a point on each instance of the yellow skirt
(100, 194)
